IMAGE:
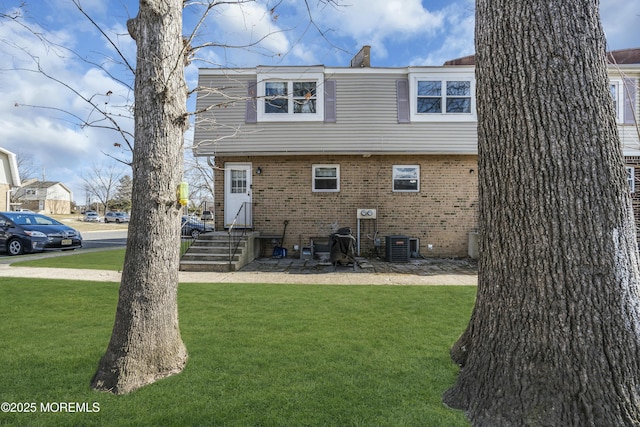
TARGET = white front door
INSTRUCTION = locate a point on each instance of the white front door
(237, 195)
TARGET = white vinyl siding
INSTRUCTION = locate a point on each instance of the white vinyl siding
(363, 125)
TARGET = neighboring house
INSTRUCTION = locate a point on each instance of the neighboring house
(9, 178)
(625, 89)
(48, 197)
(314, 145)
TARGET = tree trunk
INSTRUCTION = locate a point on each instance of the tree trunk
(145, 343)
(554, 335)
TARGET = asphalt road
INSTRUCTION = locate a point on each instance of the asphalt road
(103, 239)
(97, 240)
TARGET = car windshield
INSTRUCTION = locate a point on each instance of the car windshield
(21, 218)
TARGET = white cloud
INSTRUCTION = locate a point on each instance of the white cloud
(37, 115)
(248, 25)
(377, 22)
(367, 19)
(458, 39)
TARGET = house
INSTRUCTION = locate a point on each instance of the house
(624, 78)
(624, 73)
(321, 147)
(9, 178)
(48, 197)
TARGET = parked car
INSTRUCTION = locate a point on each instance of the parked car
(116, 217)
(193, 227)
(91, 216)
(26, 232)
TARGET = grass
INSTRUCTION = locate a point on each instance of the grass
(112, 259)
(99, 260)
(260, 355)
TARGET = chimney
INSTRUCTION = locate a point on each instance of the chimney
(362, 58)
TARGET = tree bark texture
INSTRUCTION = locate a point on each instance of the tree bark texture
(145, 343)
(554, 336)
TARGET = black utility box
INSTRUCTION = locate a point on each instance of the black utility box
(397, 248)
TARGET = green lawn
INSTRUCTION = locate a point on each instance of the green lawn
(99, 260)
(260, 355)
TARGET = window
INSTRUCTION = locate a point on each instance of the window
(326, 178)
(616, 89)
(281, 98)
(238, 181)
(450, 96)
(442, 97)
(406, 178)
(631, 178)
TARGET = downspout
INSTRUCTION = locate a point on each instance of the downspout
(211, 161)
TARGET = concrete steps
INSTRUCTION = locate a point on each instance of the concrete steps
(210, 252)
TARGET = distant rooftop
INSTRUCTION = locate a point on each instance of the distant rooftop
(623, 56)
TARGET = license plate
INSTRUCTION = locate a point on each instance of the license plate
(66, 242)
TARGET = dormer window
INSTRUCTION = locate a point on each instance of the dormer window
(438, 96)
(617, 94)
(285, 98)
(442, 96)
(303, 99)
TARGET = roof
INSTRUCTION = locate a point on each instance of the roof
(13, 167)
(45, 184)
(623, 56)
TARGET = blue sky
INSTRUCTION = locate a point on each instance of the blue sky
(400, 33)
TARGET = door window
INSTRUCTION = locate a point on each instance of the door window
(238, 181)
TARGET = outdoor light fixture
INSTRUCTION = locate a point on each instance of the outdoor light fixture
(259, 170)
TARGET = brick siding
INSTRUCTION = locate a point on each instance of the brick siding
(441, 214)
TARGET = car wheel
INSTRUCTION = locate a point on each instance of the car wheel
(106, 221)
(117, 221)
(195, 234)
(15, 247)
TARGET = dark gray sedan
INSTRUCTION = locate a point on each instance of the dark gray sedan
(193, 227)
(28, 232)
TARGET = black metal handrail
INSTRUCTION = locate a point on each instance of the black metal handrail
(246, 208)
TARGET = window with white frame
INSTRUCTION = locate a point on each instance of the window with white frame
(442, 97)
(631, 178)
(326, 178)
(284, 97)
(616, 89)
(406, 178)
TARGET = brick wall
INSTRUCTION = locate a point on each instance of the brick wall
(441, 214)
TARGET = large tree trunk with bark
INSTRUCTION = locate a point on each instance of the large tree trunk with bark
(145, 343)
(555, 333)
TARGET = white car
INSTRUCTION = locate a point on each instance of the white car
(116, 217)
(91, 217)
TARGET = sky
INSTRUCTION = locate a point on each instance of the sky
(41, 118)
